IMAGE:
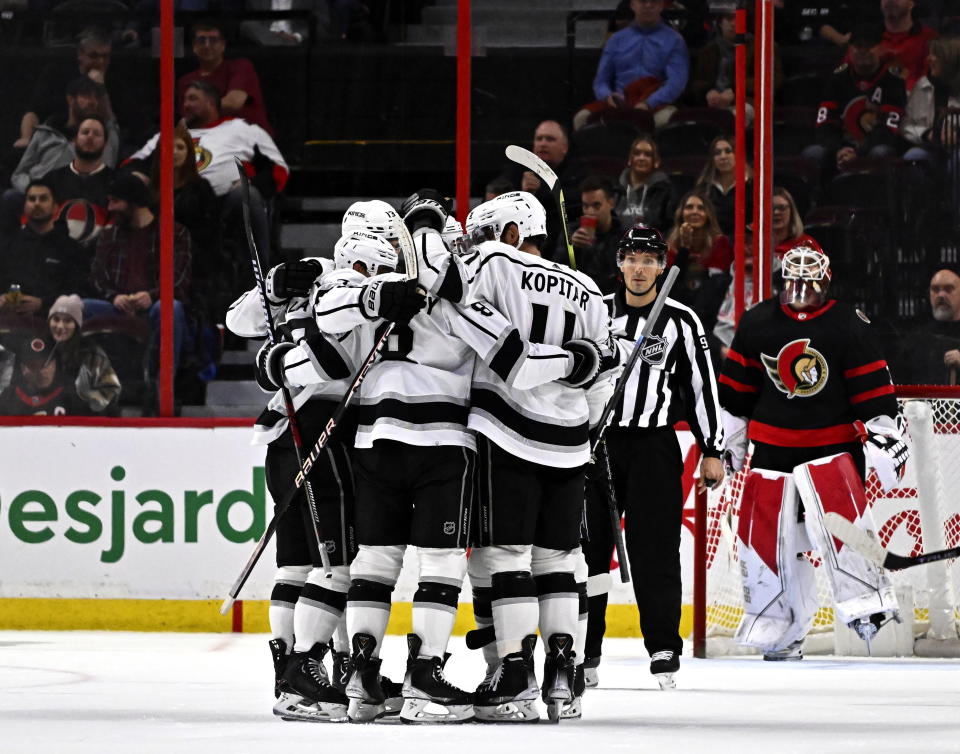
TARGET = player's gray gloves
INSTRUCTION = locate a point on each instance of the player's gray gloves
(426, 208)
(270, 365)
(393, 300)
(586, 356)
(291, 279)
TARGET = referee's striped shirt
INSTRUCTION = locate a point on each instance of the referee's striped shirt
(673, 378)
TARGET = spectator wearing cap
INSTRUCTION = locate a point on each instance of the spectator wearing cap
(235, 79)
(126, 268)
(41, 262)
(862, 107)
(40, 387)
(930, 355)
(96, 382)
(643, 67)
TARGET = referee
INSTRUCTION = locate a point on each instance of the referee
(672, 379)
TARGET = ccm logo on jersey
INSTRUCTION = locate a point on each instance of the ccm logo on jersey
(540, 282)
(654, 350)
(798, 370)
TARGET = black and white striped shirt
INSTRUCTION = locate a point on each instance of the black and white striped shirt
(673, 378)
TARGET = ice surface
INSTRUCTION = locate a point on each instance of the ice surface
(138, 692)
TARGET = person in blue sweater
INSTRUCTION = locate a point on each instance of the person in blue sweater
(644, 66)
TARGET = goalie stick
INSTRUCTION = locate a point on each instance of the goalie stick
(867, 545)
(544, 172)
(272, 338)
(608, 410)
(410, 261)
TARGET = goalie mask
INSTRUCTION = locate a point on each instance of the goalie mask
(374, 252)
(806, 278)
(376, 217)
(642, 242)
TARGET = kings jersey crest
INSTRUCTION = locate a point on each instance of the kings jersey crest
(798, 370)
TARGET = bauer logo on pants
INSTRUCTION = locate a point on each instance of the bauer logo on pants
(798, 370)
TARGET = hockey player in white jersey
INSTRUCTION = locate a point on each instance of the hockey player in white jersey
(532, 450)
(414, 463)
(305, 603)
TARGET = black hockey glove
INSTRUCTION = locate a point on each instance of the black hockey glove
(586, 362)
(426, 208)
(291, 279)
(270, 365)
(393, 300)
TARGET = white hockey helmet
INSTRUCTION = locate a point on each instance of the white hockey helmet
(806, 277)
(375, 216)
(531, 214)
(487, 221)
(376, 253)
(452, 230)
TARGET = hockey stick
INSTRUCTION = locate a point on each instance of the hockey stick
(284, 390)
(865, 543)
(545, 173)
(608, 410)
(410, 259)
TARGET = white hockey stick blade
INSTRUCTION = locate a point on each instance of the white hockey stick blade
(533, 163)
(858, 539)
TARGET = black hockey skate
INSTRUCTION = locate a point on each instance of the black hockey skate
(278, 651)
(663, 665)
(573, 710)
(310, 695)
(363, 688)
(341, 670)
(511, 696)
(427, 696)
(558, 673)
(790, 653)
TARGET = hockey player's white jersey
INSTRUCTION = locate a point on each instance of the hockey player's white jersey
(419, 392)
(217, 145)
(548, 303)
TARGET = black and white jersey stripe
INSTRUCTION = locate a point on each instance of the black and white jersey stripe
(673, 379)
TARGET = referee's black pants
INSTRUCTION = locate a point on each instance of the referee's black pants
(647, 471)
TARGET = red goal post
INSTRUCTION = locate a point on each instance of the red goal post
(921, 514)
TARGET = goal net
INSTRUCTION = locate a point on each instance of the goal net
(921, 514)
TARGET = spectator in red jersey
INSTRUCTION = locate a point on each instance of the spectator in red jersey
(234, 78)
(126, 269)
(905, 42)
(862, 107)
(697, 246)
(40, 385)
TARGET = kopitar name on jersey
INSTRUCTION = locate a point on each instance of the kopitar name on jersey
(531, 280)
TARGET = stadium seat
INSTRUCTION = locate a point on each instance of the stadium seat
(642, 120)
(605, 140)
(723, 119)
(687, 137)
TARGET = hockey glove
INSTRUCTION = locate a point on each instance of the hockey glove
(393, 300)
(426, 208)
(885, 448)
(735, 441)
(270, 365)
(585, 362)
(291, 279)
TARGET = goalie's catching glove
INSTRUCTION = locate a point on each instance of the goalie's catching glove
(885, 447)
(270, 365)
(426, 208)
(291, 279)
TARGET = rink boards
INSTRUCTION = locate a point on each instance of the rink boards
(146, 528)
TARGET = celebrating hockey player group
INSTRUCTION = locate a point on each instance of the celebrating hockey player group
(471, 432)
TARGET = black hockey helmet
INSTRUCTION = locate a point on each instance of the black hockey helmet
(641, 239)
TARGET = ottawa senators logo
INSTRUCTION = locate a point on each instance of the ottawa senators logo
(204, 156)
(859, 118)
(798, 370)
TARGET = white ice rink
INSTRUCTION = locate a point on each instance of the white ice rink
(136, 692)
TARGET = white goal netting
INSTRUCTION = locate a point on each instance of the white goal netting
(921, 514)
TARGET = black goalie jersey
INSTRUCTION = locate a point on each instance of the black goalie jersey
(803, 378)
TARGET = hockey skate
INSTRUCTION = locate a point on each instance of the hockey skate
(511, 696)
(790, 653)
(309, 694)
(363, 688)
(278, 651)
(558, 675)
(341, 670)
(663, 665)
(868, 627)
(427, 696)
(573, 710)
(591, 674)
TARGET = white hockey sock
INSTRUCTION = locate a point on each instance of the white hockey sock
(341, 639)
(368, 610)
(515, 609)
(286, 591)
(559, 604)
(322, 602)
(434, 613)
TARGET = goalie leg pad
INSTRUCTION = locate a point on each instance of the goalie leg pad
(778, 580)
(832, 485)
